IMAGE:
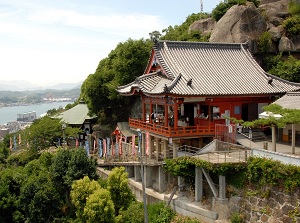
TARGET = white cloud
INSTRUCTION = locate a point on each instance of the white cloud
(48, 43)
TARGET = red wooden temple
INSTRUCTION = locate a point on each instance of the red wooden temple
(193, 88)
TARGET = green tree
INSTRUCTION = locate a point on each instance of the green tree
(133, 213)
(182, 33)
(11, 180)
(288, 69)
(126, 62)
(118, 186)
(39, 198)
(68, 166)
(43, 133)
(80, 165)
(99, 207)
(81, 190)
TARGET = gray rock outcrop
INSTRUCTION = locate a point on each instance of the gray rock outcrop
(205, 26)
(242, 23)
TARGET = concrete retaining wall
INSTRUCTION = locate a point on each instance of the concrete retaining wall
(284, 158)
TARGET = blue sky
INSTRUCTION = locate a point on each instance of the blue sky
(48, 42)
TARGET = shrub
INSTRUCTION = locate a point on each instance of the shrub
(294, 7)
(134, 213)
(264, 42)
(236, 218)
(159, 213)
(292, 25)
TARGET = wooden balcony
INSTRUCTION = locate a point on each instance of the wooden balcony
(173, 132)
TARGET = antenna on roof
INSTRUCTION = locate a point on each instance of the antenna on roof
(201, 5)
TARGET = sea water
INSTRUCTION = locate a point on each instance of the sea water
(8, 114)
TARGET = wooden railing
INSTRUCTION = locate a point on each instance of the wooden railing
(130, 156)
(170, 131)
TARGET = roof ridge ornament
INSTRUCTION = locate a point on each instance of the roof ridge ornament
(270, 80)
(166, 89)
(189, 82)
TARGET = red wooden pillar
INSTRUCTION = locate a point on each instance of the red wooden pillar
(166, 112)
(143, 109)
(175, 114)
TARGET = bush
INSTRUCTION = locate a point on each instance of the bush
(134, 213)
(294, 7)
(159, 213)
(292, 25)
(264, 42)
(236, 218)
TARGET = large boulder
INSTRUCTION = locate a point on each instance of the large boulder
(275, 12)
(241, 23)
(205, 26)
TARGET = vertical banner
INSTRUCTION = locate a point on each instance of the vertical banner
(139, 142)
(76, 144)
(112, 148)
(100, 147)
(87, 148)
(120, 146)
(133, 145)
(104, 147)
(10, 143)
(117, 148)
(95, 144)
(147, 142)
(108, 153)
(15, 142)
(19, 139)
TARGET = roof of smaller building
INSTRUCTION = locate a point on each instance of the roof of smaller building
(76, 115)
(291, 100)
(207, 69)
(125, 129)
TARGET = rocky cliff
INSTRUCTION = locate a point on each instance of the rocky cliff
(242, 23)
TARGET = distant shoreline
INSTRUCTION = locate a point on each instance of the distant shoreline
(29, 104)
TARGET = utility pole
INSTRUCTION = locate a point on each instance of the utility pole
(201, 5)
(142, 175)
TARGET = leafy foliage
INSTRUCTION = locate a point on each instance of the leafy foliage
(289, 116)
(39, 198)
(126, 62)
(81, 190)
(264, 42)
(292, 25)
(258, 171)
(159, 213)
(133, 213)
(294, 7)
(117, 184)
(99, 207)
(32, 191)
(182, 33)
(236, 218)
(11, 180)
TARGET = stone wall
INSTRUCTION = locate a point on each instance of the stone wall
(271, 206)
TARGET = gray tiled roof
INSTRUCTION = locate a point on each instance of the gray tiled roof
(207, 69)
(290, 100)
(125, 130)
(76, 115)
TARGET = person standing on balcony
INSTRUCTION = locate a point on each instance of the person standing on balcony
(153, 117)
